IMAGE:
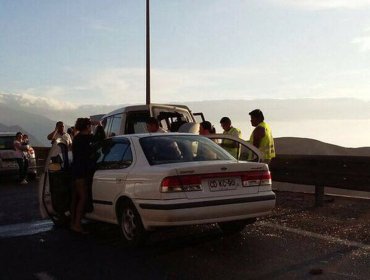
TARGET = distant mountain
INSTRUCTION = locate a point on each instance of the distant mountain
(37, 126)
(306, 146)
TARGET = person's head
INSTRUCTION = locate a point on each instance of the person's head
(25, 138)
(99, 133)
(206, 128)
(60, 127)
(152, 124)
(256, 117)
(70, 130)
(18, 136)
(225, 123)
(83, 125)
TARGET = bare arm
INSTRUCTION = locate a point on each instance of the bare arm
(52, 135)
(258, 134)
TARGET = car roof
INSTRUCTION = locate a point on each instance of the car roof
(141, 107)
(8, 133)
(155, 134)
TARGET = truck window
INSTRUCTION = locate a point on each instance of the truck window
(116, 125)
(112, 125)
(136, 122)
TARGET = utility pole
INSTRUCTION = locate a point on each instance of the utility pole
(147, 53)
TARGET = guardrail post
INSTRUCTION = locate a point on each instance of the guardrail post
(319, 196)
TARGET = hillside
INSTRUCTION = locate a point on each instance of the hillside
(306, 146)
(33, 124)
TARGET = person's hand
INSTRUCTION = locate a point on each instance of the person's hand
(94, 122)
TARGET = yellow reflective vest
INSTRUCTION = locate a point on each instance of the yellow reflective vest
(229, 145)
(267, 146)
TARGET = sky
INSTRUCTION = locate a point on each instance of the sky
(93, 52)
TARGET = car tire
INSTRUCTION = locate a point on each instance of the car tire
(131, 226)
(234, 226)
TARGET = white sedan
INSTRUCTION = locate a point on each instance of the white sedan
(147, 181)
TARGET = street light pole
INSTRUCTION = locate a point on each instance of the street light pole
(147, 54)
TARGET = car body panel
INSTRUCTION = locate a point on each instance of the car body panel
(8, 157)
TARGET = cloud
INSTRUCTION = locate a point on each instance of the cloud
(115, 86)
(324, 4)
(363, 43)
(28, 100)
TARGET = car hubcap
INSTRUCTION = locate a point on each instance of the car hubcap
(128, 224)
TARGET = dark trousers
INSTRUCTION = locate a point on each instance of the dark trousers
(23, 167)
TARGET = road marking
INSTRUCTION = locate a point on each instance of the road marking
(318, 236)
(25, 229)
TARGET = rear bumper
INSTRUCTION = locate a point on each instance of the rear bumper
(11, 167)
(185, 212)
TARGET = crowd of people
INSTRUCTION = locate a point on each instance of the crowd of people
(80, 140)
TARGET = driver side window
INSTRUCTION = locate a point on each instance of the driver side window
(114, 154)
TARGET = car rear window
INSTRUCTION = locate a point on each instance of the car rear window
(6, 142)
(181, 148)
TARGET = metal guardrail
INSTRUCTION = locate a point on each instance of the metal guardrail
(345, 172)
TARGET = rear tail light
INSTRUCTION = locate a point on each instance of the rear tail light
(181, 183)
(256, 178)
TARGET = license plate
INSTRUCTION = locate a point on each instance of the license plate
(223, 184)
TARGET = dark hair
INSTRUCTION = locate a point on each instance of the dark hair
(152, 120)
(59, 123)
(208, 126)
(225, 120)
(18, 133)
(82, 123)
(99, 134)
(257, 113)
(70, 130)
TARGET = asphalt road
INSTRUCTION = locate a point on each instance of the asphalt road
(296, 242)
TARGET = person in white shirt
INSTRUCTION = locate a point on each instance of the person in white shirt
(59, 132)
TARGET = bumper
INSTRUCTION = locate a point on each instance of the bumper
(185, 212)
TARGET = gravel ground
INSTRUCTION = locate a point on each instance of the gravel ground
(341, 217)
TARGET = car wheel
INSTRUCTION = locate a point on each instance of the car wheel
(132, 228)
(234, 226)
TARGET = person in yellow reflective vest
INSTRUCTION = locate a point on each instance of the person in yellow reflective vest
(261, 136)
(228, 145)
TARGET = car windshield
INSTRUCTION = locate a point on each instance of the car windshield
(181, 148)
(6, 142)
